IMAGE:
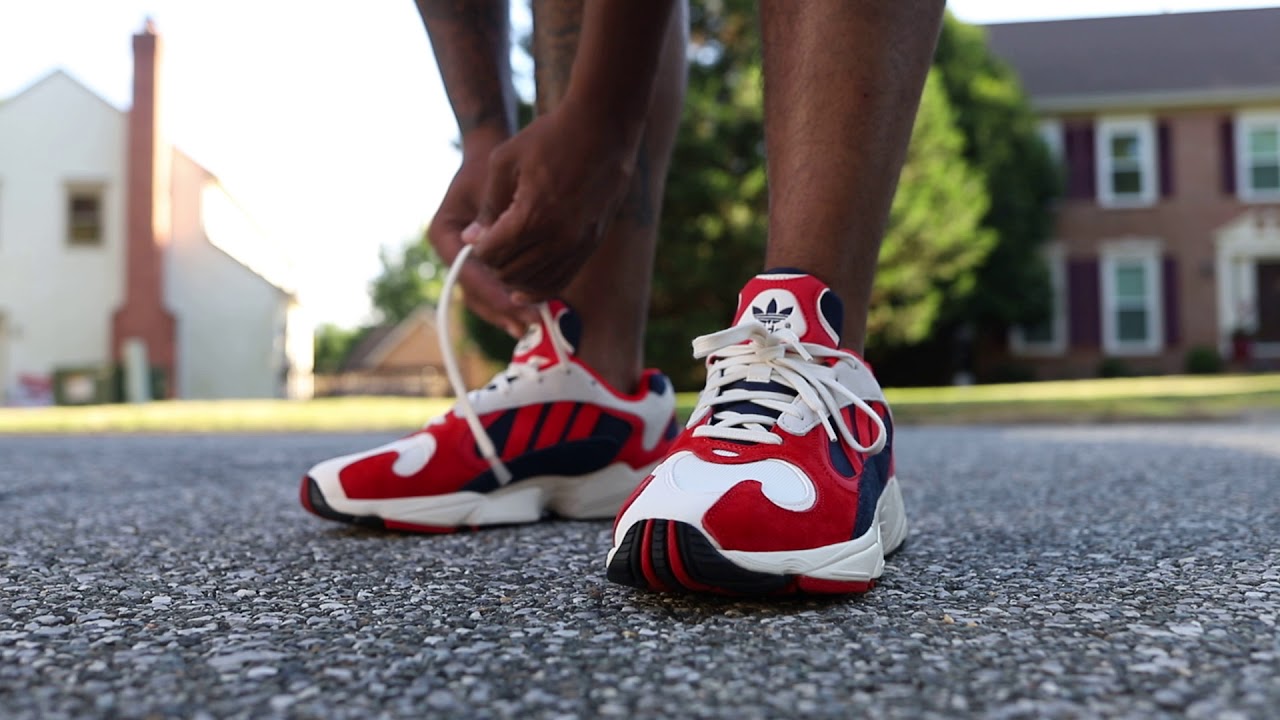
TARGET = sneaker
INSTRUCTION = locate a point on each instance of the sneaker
(546, 434)
(783, 480)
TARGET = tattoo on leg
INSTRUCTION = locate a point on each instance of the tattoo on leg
(470, 38)
(556, 27)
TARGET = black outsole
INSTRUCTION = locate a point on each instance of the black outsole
(705, 569)
(314, 501)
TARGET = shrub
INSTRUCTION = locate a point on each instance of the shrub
(1114, 367)
(1203, 360)
(1009, 373)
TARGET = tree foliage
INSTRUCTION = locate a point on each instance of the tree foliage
(713, 226)
(1021, 178)
(332, 346)
(934, 241)
(409, 278)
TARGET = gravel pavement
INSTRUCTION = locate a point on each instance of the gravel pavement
(1053, 572)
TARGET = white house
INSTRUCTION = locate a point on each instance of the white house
(109, 237)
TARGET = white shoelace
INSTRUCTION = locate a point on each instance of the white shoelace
(749, 352)
(501, 382)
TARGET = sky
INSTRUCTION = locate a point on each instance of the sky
(327, 121)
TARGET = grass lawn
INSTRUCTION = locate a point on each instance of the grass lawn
(1156, 398)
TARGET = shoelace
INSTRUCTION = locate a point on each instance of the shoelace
(502, 382)
(749, 352)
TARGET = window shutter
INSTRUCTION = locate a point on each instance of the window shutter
(1084, 303)
(1078, 148)
(1172, 308)
(1164, 145)
(1227, 146)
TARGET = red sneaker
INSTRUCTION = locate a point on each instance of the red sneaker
(783, 480)
(561, 440)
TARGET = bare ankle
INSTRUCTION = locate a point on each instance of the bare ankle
(620, 370)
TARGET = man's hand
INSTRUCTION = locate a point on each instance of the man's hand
(551, 190)
(484, 293)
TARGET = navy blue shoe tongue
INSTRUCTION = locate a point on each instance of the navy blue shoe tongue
(746, 407)
(570, 324)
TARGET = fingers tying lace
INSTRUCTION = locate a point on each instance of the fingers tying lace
(515, 371)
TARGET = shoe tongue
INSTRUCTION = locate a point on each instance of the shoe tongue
(539, 339)
(785, 298)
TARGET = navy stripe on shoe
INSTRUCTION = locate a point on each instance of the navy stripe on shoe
(576, 457)
(568, 423)
(872, 481)
(500, 431)
(537, 427)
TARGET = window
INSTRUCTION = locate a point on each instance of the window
(1050, 336)
(84, 215)
(1132, 316)
(1050, 132)
(1258, 156)
(1126, 162)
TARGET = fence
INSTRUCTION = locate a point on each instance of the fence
(419, 382)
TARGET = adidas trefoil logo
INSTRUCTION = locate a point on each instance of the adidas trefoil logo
(772, 316)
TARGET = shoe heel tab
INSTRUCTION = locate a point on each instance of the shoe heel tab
(655, 382)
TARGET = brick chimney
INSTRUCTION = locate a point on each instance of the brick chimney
(147, 191)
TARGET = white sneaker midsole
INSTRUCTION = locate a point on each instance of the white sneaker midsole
(860, 559)
(595, 495)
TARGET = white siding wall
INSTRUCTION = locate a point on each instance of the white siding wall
(57, 300)
(231, 321)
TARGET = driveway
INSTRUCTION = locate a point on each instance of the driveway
(1052, 572)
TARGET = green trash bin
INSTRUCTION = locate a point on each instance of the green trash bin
(85, 386)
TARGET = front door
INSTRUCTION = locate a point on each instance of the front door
(1269, 302)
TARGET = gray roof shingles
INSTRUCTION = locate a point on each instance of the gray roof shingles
(1172, 53)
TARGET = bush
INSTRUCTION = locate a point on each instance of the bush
(1010, 373)
(1114, 368)
(1203, 360)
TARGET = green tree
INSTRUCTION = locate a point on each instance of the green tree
(934, 243)
(1021, 178)
(333, 345)
(713, 226)
(409, 278)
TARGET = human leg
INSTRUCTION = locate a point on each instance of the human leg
(544, 434)
(784, 480)
(611, 293)
(842, 82)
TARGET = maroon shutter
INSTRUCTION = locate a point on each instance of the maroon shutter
(1164, 144)
(1227, 146)
(1077, 146)
(1084, 303)
(1172, 308)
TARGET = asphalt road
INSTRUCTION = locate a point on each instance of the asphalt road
(1114, 571)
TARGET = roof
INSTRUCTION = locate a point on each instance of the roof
(358, 357)
(57, 75)
(382, 340)
(1176, 58)
(424, 318)
(230, 229)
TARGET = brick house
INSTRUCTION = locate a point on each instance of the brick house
(1168, 237)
